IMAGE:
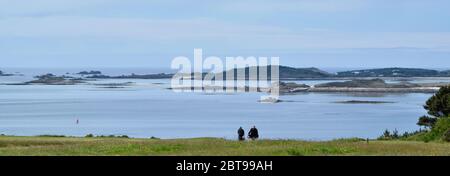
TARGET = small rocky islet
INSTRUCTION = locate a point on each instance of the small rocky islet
(50, 79)
(92, 72)
(5, 74)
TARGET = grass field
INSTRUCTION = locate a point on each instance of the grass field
(56, 146)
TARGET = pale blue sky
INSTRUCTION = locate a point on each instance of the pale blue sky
(149, 33)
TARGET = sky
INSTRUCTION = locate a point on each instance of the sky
(150, 33)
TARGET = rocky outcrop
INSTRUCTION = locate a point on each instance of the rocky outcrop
(134, 76)
(92, 72)
(290, 87)
(115, 85)
(375, 90)
(4, 74)
(367, 83)
(50, 79)
(270, 100)
(371, 85)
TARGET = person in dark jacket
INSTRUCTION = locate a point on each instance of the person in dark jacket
(253, 133)
(241, 134)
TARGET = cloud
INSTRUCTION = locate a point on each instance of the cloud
(209, 32)
(42, 7)
(36, 8)
(310, 6)
(128, 28)
(180, 31)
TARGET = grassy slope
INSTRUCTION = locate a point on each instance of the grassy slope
(209, 146)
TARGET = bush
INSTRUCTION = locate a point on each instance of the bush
(438, 132)
(395, 134)
(387, 135)
(50, 135)
(108, 136)
(447, 136)
(349, 139)
(440, 129)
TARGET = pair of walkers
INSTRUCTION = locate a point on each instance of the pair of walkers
(252, 134)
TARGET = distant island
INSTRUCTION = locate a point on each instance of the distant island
(134, 76)
(90, 73)
(4, 74)
(360, 79)
(368, 83)
(356, 85)
(284, 72)
(291, 73)
(287, 73)
(361, 85)
(394, 72)
(50, 79)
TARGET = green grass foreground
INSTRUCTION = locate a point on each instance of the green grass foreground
(71, 146)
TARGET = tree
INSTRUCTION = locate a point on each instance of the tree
(395, 134)
(386, 134)
(427, 121)
(405, 135)
(439, 104)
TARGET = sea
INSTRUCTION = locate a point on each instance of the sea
(147, 108)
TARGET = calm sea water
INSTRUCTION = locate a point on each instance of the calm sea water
(149, 109)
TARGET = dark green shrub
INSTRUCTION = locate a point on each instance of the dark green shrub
(438, 132)
(427, 121)
(50, 135)
(447, 136)
(440, 129)
(387, 134)
(395, 134)
(439, 104)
